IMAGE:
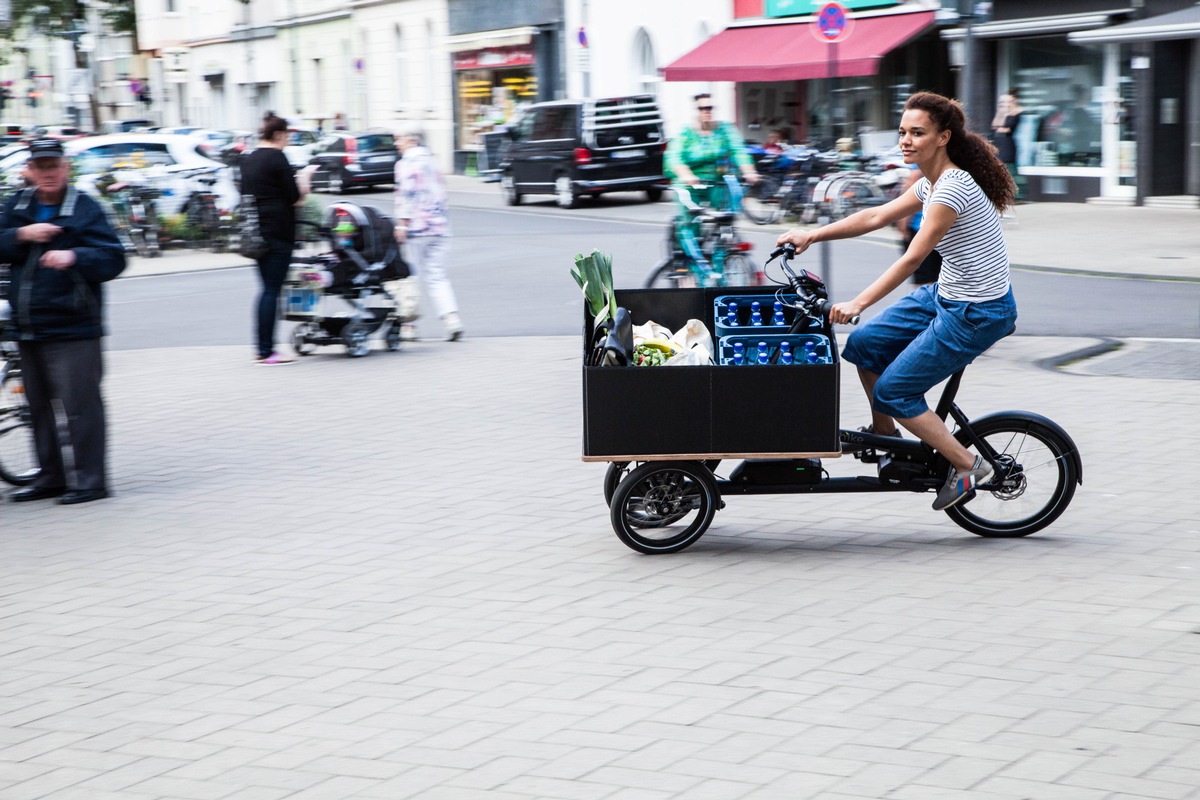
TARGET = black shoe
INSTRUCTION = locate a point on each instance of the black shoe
(36, 493)
(82, 496)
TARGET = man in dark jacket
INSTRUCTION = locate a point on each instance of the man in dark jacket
(61, 249)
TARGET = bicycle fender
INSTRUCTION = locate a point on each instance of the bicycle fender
(1029, 416)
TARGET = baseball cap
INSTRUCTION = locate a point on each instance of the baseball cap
(45, 148)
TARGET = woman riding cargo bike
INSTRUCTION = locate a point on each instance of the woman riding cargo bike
(939, 328)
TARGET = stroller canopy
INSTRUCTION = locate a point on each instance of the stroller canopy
(374, 237)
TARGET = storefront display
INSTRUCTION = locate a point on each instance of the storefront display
(491, 86)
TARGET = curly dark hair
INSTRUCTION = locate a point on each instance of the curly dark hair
(272, 125)
(970, 151)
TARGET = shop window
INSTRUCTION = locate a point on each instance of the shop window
(1061, 88)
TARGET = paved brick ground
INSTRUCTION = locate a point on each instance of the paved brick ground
(393, 578)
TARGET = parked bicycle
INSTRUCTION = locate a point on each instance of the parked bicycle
(18, 456)
(135, 216)
(704, 247)
(215, 226)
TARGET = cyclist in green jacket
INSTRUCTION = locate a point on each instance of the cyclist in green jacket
(703, 156)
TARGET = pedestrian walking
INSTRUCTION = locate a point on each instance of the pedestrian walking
(1004, 130)
(931, 265)
(423, 229)
(268, 176)
(62, 250)
(939, 328)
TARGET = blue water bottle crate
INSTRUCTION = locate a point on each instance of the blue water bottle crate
(806, 348)
(734, 314)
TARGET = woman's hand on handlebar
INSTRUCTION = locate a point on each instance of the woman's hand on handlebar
(800, 239)
(843, 313)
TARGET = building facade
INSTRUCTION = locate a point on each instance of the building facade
(1110, 105)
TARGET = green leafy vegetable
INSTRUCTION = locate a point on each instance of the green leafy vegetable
(593, 273)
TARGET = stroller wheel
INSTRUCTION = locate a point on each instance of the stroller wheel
(357, 339)
(300, 342)
(392, 337)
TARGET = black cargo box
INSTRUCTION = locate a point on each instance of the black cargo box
(656, 413)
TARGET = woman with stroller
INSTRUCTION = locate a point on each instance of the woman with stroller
(939, 328)
(268, 176)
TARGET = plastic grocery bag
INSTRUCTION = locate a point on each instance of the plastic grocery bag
(694, 345)
(652, 331)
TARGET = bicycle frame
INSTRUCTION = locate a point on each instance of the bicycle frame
(703, 241)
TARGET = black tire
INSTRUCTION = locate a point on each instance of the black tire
(391, 339)
(664, 506)
(357, 339)
(739, 271)
(509, 189)
(18, 455)
(300, 342)
(335, 184)
(617, 470)
(761, 201)
(564, 192)
(1034, 484)
(654, 194)
(672, 274)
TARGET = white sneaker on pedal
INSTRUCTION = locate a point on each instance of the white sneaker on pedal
(959, 484)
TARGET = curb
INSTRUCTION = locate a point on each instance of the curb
(1101, 347)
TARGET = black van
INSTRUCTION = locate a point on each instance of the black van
(576, 148)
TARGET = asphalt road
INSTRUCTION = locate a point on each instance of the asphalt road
(511, 270)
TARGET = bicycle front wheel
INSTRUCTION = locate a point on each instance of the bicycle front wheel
(1033, 485)
(761, 203)
(18, 455)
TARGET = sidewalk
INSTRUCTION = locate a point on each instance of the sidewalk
(392, 577)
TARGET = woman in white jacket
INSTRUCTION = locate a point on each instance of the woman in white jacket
(422, 226)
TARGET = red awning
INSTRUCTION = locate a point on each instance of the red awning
(793, 53)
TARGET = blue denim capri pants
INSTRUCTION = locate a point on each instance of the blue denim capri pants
(922, 340)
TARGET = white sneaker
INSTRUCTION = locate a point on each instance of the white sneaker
(959, 484)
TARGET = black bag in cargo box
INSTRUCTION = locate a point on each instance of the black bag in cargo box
(648, 413)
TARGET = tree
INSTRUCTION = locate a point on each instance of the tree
(68, 18)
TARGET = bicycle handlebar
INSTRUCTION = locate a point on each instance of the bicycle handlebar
(809, 302)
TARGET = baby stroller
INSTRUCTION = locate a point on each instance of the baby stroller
(340, 297)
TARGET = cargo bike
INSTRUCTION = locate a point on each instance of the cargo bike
(666, 431)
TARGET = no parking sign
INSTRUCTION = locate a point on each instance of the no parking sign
(833, 23)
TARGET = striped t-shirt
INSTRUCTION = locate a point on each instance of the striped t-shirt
(974, 255)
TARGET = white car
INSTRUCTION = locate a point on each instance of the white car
(169, 162)
(302, 142)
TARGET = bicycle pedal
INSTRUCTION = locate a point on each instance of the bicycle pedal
(867, 456)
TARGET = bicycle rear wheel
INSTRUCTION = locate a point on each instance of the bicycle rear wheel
(18, 455)
(1034, 484)
(739, 271)
(761, 203)
(672, 274)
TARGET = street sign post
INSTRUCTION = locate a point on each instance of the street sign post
(833, 25)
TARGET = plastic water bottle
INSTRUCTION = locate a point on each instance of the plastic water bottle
(764, 357)
(777, 317)
(785, 353)
(731, 315)
(739, 354)
(756, 314)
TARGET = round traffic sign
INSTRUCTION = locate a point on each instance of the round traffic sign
(833, 23)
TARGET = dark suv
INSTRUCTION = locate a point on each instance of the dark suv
(577, 148)
(353, 159)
